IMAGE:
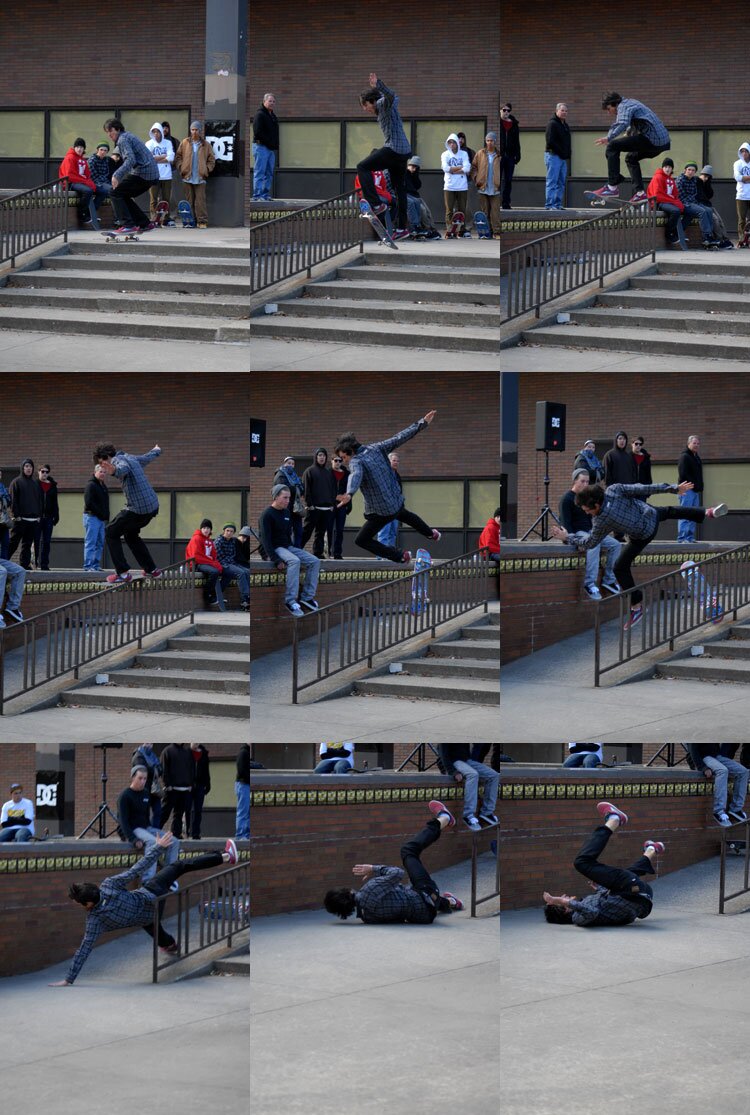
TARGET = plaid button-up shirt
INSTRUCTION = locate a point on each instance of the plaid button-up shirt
(371, 471)
(139, 495)
(390, 121)
(226, 550)
(625, 512)
(634, 114)
(384, 899)
(117, 908)
(604, 908)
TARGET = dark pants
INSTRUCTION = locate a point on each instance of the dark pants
(673, 215)
(620, 880)
(194, 812)
(155, 804)
(297, 530)
(336, 533)
(366, 539)
(42, 543)
(319, 522)
(419, 876)
(179, 802)
(4, 540)
(635, 546)
(26, 532)
(385, 159)
(507, 167)
(128, 525)
(635, 147)
(163, 880)
(129, 188)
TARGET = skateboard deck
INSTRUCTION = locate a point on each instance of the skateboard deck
(365, 211)
(185, 210)
(482, 226)
(162, 213)
(110, 235)
(457, 226)
(419, 585)
(598, 202)
(699, 588)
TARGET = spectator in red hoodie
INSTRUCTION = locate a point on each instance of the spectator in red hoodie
(490, 536)
(202, 551)
(662, 189)
(75, 168)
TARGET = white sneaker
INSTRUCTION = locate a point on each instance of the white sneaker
(721, 819)
(294, 609)
(592, 591)
(473, 824)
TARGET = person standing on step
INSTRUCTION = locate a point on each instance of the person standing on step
(485, 174)
(111, 905)
(141, 506)
(638, 133)
(690, 467)
(49, 520)
(135, 174)
(95, 519)
(642, 461)
(620, 894)
(510, 151)
(265, 148)
(461, 767)
(200, 790)
(336, 529)
(588, 459)
(370, 469)
(163, 153)
(619, 467)
(26, 505)
(456, 167)
(709, 758)
(194, 162)
(242, 793)
(382, 102)
(319, 489)
(557, 150)
(177, 764)
(276, 535)
(741, 175)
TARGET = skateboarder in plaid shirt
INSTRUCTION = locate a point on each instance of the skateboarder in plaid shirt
(382, 102)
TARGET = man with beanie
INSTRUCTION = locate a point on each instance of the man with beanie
(574, 519)
(265, 148)
(557, 150)
(687, 191)
(134, 814)
(276, 536)
(226, 552)
(662, 190)
(704, 182)
(319, 493)
(194, 162)
(26, 506)
(588, 459)
(485, 174)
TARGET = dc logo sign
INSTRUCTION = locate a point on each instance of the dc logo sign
(46, 795)
(223, 147)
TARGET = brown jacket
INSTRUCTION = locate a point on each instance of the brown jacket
(479, 165)
(183, 159)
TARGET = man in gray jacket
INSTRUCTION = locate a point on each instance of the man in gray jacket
(370, 469)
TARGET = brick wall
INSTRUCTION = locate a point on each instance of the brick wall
(540, 838)
(17, 764)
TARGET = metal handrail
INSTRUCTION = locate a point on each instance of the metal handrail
(726, 839)
(97, 624)
(677, 603)
(296, 242)
(25, 224)
(379, 618)
(223, 908)
(555, 265)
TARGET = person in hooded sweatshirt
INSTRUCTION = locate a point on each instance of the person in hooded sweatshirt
(662, 190)
(75, 168)
(26, 504)
(456, 166)
(202, 551)
(741, 173)
(163, 153)
(490, 536)
(319, 493)
(587, 458)
(619, 466)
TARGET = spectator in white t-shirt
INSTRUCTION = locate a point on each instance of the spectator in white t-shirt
(335, 758)
(17, 817)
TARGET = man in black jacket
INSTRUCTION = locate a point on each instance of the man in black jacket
(573, 519)
(95, 519)
(276, 535)
(201, 788)
(26, 503)
(319, 493)
(510, 151)
(265, 147)
(49, 520)
(457, 760)
(242, 791)
(133, 810)
(690, 467)
(177, 763)
(556, 157)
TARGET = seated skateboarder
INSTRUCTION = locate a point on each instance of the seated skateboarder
(383, 899)
(620, 894)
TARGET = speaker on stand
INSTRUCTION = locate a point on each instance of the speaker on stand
(550, 438)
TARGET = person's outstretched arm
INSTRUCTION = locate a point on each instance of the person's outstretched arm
(407, 434)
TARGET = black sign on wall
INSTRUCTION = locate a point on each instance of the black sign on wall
(50, 795)
(257, 443)
(224, 137)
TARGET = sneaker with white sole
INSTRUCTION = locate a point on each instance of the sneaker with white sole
(607, 191)
(473, 823)
(119, 578)
(438, 808)
(657, 845)
(612, 586)
(488, 818)
(311, 605)
(231, 850)
(717, 512)
(606, 809)
(154, 574)
(14, 613)
(293, 608)
(455, 903)
(436, 535)
(592, 591)
(638, 196)
(406, 557)
(636, 615)
(739, 816)
(722, 819)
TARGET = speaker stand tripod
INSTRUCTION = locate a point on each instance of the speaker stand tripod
(99, 820)
(540, 525)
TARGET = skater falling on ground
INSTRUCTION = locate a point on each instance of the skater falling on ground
(620, 894)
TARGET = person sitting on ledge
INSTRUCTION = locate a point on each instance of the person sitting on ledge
(276, 536)
(335, 758)
(383, 899)
(620, 894)
(461, 763)
(714, 762)
(584, 755)
(17, 817)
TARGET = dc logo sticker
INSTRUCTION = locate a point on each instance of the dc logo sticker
(223, 147)
(46, 795)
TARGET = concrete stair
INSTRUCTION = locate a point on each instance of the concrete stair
(233, 966)
(437, 300)
(464, 668)
(141, 289)
(726, 659)
(693, 305)
(205, 672)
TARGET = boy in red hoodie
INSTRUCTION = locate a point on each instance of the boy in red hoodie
(75, 168)
(662, 189)
(202, 551)
(490, 537)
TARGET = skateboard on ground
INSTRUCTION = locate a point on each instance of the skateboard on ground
(419, 585)
(698, 587)
(110, 235)
(365, 211)
(162, 213)
(95, 222)
(598, 202)
(187, 216)
(457, 226)
(482, 226)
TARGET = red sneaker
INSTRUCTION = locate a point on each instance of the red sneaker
(119, 578)
(436, 536)
(456, 903)
(153, 573)
(406, 557)
(231, 850)
(655, 844)
(606, 809)
(437, 808)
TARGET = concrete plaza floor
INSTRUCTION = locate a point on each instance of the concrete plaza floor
(368, 1018)
(114, 1038)
(644, 1018)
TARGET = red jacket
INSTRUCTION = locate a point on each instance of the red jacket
(490, 537)
(75, 167)
(380, 187)
(203, 551)
(662, 189)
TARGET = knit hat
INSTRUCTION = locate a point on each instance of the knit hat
(196, 124)
(232, 525)
(691, 164)
(709, 170)
(668, 162)
(278, 488)
(414, 161)
(491, 135)
(579, 472)
(589, 441)
(289, 458)
(206, 523)
(246, 533)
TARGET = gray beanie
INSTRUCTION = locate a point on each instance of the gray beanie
(491, 135)
(196, 124)
(279, 488)
(579, 472)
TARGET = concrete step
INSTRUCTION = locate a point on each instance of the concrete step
(181, 701)
(432, 260)
(430, 336)
(107, 279)
(457, 313)
(427, 292)
(94, 301)
(151, 263)
(467, 648)
(453, 668)
(466, 690)
(482, 631)
(120, 324)
(716, 264)
(687, 319)
(729, 648)
(619, 339)
(740, 631)
(213, 644)
(225, 625)
(404, 273)
(675, 300)
(203, 660)
(161, 247)
(706, 669)
(203, 681)
(233, 966)
(695, 280)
